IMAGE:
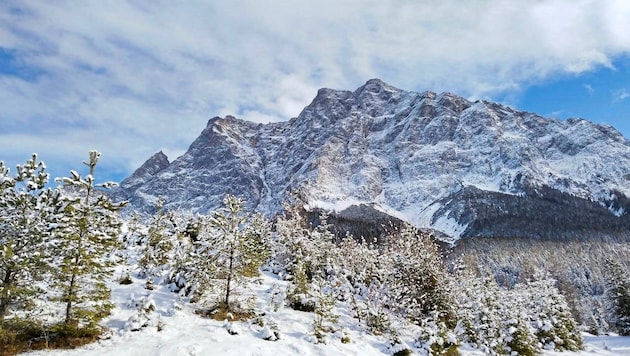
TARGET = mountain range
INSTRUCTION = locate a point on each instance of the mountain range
(463, 168)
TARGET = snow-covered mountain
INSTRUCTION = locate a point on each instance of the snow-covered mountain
(435, 160)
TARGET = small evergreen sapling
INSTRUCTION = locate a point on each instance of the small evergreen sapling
(159, 245)
(26, 213)
(86, 238)
(145, 313)
(323, 297)
(230, 246)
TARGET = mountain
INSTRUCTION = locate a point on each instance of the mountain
(435, 160)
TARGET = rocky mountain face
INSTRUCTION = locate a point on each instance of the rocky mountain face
(435, 160)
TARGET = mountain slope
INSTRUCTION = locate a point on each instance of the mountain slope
(435, 160)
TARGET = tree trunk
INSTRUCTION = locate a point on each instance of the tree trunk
(229, 279)
(69, 303)
(4, 302)
(71, 290)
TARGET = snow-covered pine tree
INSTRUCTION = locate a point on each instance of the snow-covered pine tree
(618, 296)
(196, 273)
(322, 250)
(517, 337)
(87, 235)
(479, 312)
(158, 246)
(364, 272)
(549, 313)
(292, 236)
(144, 313)
(233, 246)
(26, 209)
(227, 224)
(419, 282)
(324, 300)
(256, 245)
(304, 254)
(181, 262)
(298, 290)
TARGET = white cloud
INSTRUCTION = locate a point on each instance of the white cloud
(589, 89)
(133, 77)
(620, 95)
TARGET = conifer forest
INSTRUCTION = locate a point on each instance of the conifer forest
(65, 243)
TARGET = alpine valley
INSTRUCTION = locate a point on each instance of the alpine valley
(437, 161)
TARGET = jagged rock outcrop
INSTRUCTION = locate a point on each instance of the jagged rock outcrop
(434, 160)
(147, 171)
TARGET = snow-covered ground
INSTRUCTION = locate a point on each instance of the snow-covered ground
(186, 333)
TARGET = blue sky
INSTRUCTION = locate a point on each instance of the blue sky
(131, 78)
(600, 95)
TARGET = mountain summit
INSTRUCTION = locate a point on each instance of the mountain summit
(434, 160)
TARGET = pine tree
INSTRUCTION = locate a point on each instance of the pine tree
(227, 235)
(289, 249)
(365, 274)
(618, 296)
(181, 262)
(234, 246)
(298, 290)
(26, 209)
(549, 313)
(324, 300)
(256, 245)
(480, 312)
(159, 245)
(87, 236)
(419, 282)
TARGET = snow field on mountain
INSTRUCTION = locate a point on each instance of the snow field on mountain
(400, 150)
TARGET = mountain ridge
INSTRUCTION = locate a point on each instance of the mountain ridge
(415, 156)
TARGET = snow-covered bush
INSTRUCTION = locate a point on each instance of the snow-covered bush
(270, 330)
(398, 347)
(144, 316)
(436, 338)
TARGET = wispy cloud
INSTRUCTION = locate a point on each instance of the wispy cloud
(134, 77)
(620, 95)
(589, 89)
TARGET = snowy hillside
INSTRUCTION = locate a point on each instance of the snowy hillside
(187, 334)
(231, 282)
(434, 160)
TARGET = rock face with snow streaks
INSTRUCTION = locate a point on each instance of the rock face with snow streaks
(434, 160)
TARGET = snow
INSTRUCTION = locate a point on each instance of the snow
(449, 226)
(444, 223)
(185, 333)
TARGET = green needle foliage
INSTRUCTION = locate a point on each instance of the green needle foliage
(87, 236)
(230, 247)
(24, 211)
